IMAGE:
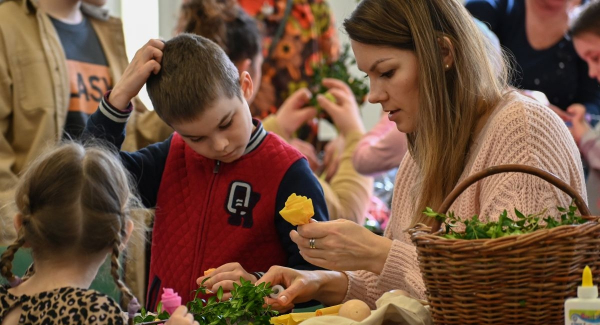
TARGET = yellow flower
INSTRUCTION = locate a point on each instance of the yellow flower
(298, 210)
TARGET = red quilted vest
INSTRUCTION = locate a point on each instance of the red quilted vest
(206, 218)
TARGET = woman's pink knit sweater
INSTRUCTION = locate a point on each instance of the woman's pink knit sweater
(519, 131)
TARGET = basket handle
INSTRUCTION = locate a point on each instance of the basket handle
(550, 178)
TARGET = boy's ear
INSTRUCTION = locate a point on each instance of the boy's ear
(246, 85)
(447, 49)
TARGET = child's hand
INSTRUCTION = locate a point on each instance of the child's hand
(181, 317)
(292, 113)
(345, 113)
(224, 276)
(146, 61)
(579, 126)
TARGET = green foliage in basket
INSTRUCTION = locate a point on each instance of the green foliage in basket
(245, 306)
(505, 226)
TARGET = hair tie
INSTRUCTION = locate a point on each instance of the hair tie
(15, 281)
(133, 307)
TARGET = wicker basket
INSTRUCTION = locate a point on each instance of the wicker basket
(521, 279)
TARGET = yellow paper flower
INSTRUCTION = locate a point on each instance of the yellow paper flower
(298, 210)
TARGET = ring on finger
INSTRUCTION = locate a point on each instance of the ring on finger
(311, 243)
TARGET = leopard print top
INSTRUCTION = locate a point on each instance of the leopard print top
(63, 306)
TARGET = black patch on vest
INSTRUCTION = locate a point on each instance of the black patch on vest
(240, 203)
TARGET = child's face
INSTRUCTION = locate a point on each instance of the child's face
(587, 46)
(223, 130)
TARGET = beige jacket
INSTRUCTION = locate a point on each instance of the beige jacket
(34, 91)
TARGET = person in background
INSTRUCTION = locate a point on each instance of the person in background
(535, 32)
(57, 58)
(346, 191)
(585, 31)
(444, 85)
(74, 208)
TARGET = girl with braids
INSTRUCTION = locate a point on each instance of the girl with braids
(74, 208)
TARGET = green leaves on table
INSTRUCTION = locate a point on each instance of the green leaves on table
(244, 306)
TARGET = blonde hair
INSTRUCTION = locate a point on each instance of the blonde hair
(73, 199)
(451, 101)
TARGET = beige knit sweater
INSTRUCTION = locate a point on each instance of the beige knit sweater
(519, 131)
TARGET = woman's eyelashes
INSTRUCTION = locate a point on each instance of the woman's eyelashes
(388, 74)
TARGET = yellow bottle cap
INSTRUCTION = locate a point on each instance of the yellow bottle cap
(587, 280)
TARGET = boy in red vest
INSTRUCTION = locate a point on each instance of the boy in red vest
(219, 181)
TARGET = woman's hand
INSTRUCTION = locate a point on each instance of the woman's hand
(292, 113)
(342, 245)
(181, 317)
(344, 112)
(225, 276)
(327, 287)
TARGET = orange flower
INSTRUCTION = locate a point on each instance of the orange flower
(311, 62)
(303, 15)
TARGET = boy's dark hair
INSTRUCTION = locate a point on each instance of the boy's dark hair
(194, 73)
(225, 23)
(588, 20)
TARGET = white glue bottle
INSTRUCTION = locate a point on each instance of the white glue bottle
(585, 309)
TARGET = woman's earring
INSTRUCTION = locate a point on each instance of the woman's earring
(447, 66)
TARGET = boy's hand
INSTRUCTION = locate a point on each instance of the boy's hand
(146, 61)
(224, 276)
(181, 317)
(344, 113)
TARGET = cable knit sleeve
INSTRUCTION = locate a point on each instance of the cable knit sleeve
(401, 269)
(529, 134)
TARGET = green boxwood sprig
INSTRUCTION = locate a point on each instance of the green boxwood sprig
(505, 226)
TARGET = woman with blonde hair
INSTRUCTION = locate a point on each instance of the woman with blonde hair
(442, 83)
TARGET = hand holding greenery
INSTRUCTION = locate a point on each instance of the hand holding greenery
(505, 226)
(337, 70)
(245, 306)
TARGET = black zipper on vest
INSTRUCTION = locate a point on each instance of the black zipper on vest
(217, 165)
